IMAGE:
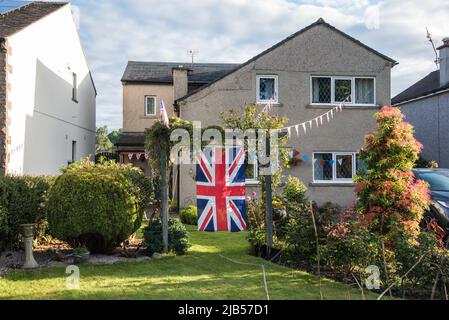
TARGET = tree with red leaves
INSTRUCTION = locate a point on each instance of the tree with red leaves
(391, 202)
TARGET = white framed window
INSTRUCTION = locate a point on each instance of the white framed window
(74, 87)
(267, 89)
(334, 167)
(359, 91)
(150, 106)
(252, 168)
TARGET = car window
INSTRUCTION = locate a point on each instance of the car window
(437, 181)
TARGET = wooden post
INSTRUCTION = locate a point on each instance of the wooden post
(164, 197)
(269, 204)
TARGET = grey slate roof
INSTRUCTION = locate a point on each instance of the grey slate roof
(428, 85)
(133, 139)
(15, 20)
(161, 72)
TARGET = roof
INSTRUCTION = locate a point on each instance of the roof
(321, 22)
(21, 17)
(161, 72)
(133, 139)
(428, 85)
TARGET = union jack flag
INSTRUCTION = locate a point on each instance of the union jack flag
(220, 176)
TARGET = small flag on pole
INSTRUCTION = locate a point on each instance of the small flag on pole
(163, 116)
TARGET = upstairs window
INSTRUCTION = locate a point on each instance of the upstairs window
(350, 90)
(267, 89)
(74, 87)
(150, 106)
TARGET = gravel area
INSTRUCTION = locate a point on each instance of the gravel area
(58, 254)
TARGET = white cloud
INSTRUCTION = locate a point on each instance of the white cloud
(114, 32)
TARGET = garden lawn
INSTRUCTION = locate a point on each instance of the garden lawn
(205, 272)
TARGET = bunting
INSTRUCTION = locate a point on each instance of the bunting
(318, 121)
(137, 155)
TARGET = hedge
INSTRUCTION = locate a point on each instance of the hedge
(98, 205)
(22, 200)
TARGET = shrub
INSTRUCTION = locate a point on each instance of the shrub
(350, 249)
(300, 235)
(98, 206)
(189, 215)
(435, 260)
(294, 192)
(178, 237)
(391, 202)
(22, 200)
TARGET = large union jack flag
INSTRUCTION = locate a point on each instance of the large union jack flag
(220, 176)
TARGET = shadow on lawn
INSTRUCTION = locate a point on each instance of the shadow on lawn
(202, 273)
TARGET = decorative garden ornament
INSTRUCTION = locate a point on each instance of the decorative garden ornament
(28, 235)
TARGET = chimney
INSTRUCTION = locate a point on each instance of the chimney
(444, 62)
(180, 81)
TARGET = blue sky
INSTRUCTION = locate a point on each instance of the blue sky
(115, 31)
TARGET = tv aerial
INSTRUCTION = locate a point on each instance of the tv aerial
(437, 59)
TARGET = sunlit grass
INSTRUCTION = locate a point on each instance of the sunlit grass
(203, 274)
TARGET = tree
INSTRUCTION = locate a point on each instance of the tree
(391, 202)
(115, 135)
(102, 142)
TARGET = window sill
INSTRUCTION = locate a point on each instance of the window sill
(330, 106)
(252, 183)
(149, 117)
(332, 184)
(274, 104)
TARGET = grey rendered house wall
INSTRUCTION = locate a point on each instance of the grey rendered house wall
(430, 117)
(317, 51)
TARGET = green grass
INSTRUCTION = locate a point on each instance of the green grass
(203, 273)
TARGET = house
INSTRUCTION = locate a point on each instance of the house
(306, 74)
(47, 95)
(426, 106)
(145, 85)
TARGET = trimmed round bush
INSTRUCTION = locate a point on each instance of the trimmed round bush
(97, 206)
(189, 215)
(178, 237)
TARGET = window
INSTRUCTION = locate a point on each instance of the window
(351, 90)
(267, 89)
(73, 151)
(339, 167)
(150, 106)
(252, 168)
(74, 87)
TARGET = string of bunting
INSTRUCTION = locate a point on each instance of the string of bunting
(329, 115)
(308, 125)
(138, 155)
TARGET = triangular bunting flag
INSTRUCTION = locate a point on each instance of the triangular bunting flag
(130, 155)
(297, 129)
(304, 127)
